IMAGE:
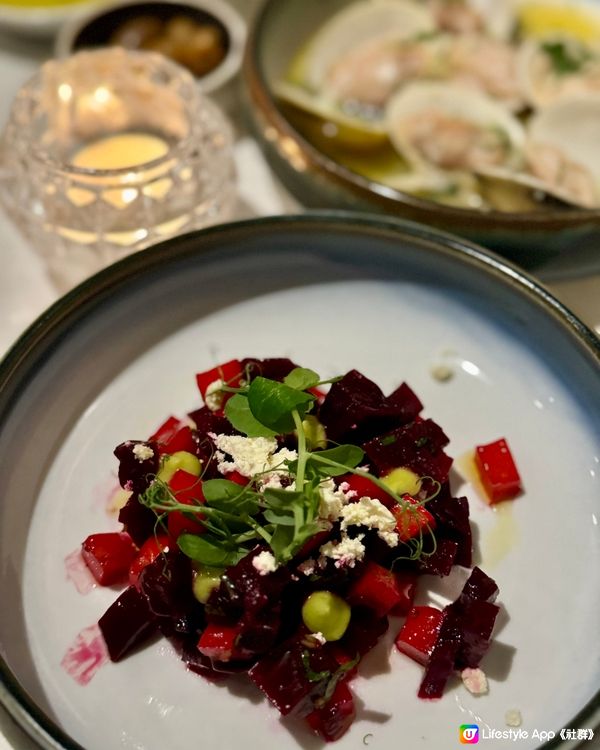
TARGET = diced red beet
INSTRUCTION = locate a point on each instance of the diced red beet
(282, 676)
(477, 620)
(208, 421)
(355, 409)
(108, 556)
(229, 372)
(333, 720)
(417, 446)
(376, 588)
(274, 368)
(363, 632)
(498, 471)
(441, 660)
(412, 521)
(167, 585)
(419, 633)
(479, 586)
(187, 489)
(218, 641)
(312, 544)
(149, 551)
(439, 563)
(127, 623)
(136, 473)
(138, 520)
(407, 584)
(452, 520)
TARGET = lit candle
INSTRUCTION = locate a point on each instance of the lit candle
(130, 151)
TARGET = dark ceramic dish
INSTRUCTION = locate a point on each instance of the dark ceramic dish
(282, 27)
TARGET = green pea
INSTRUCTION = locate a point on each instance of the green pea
(403, 481)
(314, 433)
(176, 461)
(205, 581)
(326, 613)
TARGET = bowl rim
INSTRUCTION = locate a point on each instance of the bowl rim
(266, 103)
(53, 326)
(221, 10)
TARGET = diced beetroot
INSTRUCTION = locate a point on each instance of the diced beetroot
(452, 519)
(364, 487)
(477, 620)
(108, 556)
(229, 372)
(138, 520)
(412, 521)
(187, 489)
(417, 446)
(313, 544)
(166, 583)
(334, 719)
(274, 368)
(136, 473)
(439, 563)
(282, 676)
(407, 584)
(376, 588)
(406, 402)
(209, 421)
(479, 586)
(148, 553)
(218, 641)
(441, 660)
(419, 633)
(126, 623)
(498, 471)
(363, 632)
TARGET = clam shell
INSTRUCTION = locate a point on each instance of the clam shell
(420, 102)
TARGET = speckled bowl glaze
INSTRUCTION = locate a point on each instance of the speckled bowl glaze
(113, 358)
(530, 239)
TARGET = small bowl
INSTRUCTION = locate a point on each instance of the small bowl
(532, 239)
(95, 28)
(38, 21)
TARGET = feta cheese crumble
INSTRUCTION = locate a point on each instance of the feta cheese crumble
(251, 456)
(332, 500)
(265, 563)
(213, 397)
(320, 638)
(142, 452)
(372, 514)
(513, 718)
(307, 567)
(346, 552)
(475, 681)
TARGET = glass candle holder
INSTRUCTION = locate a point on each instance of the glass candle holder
(108, 152)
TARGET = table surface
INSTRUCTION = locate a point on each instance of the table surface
(25, 291)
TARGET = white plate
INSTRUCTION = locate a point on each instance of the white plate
(118, 355)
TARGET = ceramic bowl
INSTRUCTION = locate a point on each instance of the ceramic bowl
(531, 239)
(113, 358)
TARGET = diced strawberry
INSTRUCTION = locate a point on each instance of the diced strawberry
(498, 471)
(148, 553)
(108, 556)
(411, 521)
(377, 588)
(419, 633)
(335, 718)
(230, 373)
(218, 641)
(182, 440)
(319, 393)
(364, 487)
(187, 489)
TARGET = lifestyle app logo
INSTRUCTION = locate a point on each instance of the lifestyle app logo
(468, 734)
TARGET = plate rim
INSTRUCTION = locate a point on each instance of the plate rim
(51, 327)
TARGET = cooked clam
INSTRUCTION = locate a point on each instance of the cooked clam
(453, 127)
